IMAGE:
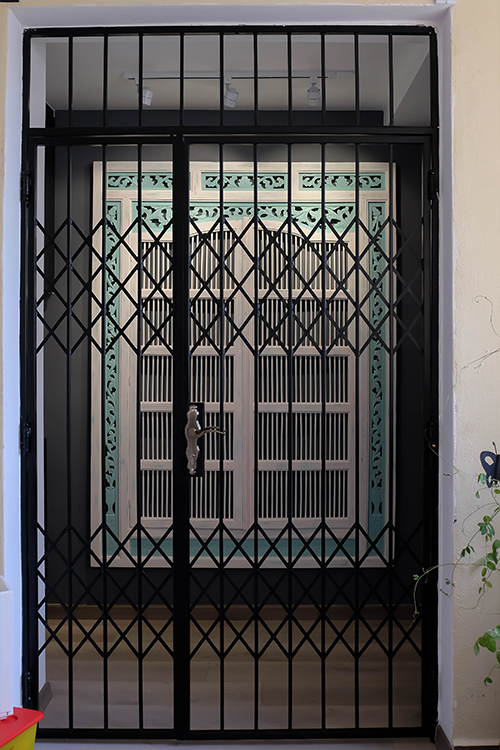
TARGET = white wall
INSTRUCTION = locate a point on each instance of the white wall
(476, 162)
(10, 567)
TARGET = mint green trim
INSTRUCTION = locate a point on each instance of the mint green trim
(263, 548)
(342, 181)
(111, 355)
(378, 376)
(158, 214)
(130, 181)
(244, 181)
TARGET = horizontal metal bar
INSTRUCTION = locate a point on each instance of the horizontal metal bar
(230, 734)
(242, 30)
(104, 138)
(295, 134)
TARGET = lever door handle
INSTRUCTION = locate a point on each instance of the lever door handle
(193, 431)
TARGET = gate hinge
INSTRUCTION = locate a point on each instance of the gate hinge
(25, 438)
(28, 685)
(432, 184)
(25, 187)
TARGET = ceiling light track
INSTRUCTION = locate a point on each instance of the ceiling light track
(240, 75)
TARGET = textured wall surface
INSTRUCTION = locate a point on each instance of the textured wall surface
(476, 218)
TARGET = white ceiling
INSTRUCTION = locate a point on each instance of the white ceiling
(202, 74)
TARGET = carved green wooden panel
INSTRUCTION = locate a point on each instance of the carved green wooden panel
(378, 373)
(341, 181)
(243, 181)
(341, 216)
(111, 347)
(130, 181)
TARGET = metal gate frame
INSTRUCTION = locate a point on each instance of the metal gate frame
(181, 137)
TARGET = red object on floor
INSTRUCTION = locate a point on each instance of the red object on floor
(18, 730)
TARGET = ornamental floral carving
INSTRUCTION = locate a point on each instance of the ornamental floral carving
(130, 181)
(342, 181)
(243, 181)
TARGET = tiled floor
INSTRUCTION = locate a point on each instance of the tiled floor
(239, 679)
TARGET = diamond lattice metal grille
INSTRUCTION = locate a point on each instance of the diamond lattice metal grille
(284, 290)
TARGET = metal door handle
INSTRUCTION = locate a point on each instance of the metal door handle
(193, 431)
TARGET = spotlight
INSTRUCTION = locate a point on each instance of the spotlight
(230, 94)
(313, 93)
(147, 94)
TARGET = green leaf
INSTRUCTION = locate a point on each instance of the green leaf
(476, 648)
(483, 572)
(486, 519)
(496, 544)
(498, 657)
(490, 643)
(482, 478)
(416, 576)
(477, 494)
(497, 630)
(491, 565)
(488, 584)
(488, 680)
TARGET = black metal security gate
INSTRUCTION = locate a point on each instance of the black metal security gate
(229, 379)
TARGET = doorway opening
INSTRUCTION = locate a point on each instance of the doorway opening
(229, 378)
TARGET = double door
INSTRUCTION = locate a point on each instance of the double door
(231, 370)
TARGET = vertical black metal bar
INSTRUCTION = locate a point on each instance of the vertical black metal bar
(221, 484)
(104, 530)
(391, 79)
(430, 417)
(70, 81)
(139, 563)
(255, 39)
(29, 510)
(324, 312)
(181, 487)
(181, 82)
(434, 82)
(140, 87)
(27, 42)
(289, 75)
(69, 487)
(105, 80)
(323, 80)
(256, 400)
(221, 79)
(391, 530)
(356, 78)
(357, 535)
(290, 435)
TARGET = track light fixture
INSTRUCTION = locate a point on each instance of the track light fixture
(230, 94)
(147, 94)
(313, 92)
